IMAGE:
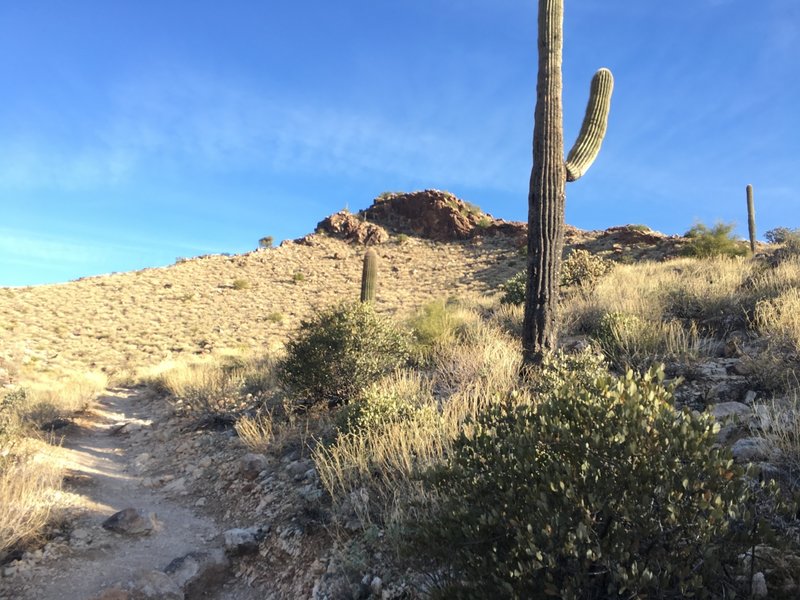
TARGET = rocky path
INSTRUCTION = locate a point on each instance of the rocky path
(161, 549)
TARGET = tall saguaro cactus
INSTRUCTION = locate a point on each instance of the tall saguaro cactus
(751, 218)
(369, 275)
(550, 173)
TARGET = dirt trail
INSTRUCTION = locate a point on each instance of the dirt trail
(104, 454)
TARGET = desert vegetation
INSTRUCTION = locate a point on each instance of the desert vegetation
(485, 477)
(451, 468)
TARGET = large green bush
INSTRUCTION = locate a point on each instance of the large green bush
(597, 490)
(718, 240)
(336, 355)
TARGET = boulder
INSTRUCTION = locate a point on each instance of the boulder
(725, 411)
(349, 227)
(749, 450)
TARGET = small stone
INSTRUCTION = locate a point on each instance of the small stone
(156, 585)
(177, 485)
(80, 535)
(200, 501)
(310, 492)
(141, 460)
(243, 541)
(130, 522)
(376, 585)
(205, 462)
(726, 432)
(759, 586)
(750, 397)
(252, 465)
(198, 570)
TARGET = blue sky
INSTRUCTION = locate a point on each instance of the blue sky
(132, 133)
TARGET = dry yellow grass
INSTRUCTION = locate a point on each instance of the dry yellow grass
(124, 321)
(676, 309)
(28, 487)
(779, 428)
(779, 318)
(256, 432)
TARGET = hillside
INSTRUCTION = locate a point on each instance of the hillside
(119, 322)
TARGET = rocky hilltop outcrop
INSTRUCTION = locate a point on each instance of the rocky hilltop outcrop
(431, 214)
(442, 217)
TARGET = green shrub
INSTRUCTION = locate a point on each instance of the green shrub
(780, 235)
(336, 355)
(514, 289)
(715, 241)
(593, 491)
(789, 239)
(11, 401)
(437, 322)
(274, 317)
(240, 284)
(398, 397)
(584, 269)
(265, 242)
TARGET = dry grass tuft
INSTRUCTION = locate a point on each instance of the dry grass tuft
(47, 401)
(779, 428)
(28, 489)
(256, 432)
(779, 319)
(212, 384)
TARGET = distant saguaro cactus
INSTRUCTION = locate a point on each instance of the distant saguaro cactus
(751, 218)
(549, 175)
(369, 276)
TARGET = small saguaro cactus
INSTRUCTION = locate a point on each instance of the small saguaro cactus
(369, 275)
(751, 218)
(549, 175)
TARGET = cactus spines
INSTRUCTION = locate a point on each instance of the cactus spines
(369, 275)
(751, 218)
(549, 176)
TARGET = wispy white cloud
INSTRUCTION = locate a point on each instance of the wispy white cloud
(179, 118)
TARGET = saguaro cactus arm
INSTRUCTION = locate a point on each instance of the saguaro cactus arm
(593, 129)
